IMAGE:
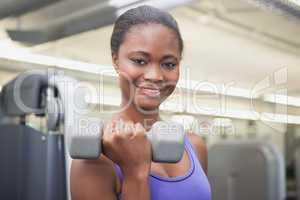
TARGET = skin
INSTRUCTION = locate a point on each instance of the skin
(147, 56)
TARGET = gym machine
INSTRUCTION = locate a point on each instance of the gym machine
(246, 169)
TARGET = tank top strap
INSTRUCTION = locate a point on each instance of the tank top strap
(119, 172)
(191, 150)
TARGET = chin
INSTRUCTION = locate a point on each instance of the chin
(147, 104)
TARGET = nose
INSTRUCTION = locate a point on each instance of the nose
(153, 73)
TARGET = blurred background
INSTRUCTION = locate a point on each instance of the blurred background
(239, 76)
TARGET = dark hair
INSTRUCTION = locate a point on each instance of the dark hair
(142, 15)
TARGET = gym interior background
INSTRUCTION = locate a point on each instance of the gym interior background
(239, 76)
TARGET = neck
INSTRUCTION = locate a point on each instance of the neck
(131, 113)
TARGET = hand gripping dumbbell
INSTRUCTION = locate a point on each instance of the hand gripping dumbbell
(167, 140)
(83, 134)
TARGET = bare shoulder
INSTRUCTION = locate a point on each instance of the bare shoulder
(199, 146)
(93, 179)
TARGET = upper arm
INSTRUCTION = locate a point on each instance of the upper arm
(199, 146)
(92, 180)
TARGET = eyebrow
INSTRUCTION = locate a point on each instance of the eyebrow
(170, 56)
(164, 57)
(141, 52)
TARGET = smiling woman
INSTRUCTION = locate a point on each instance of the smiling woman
(150, 59)
(146, 47)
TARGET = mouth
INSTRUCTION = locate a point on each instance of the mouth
(150, 92)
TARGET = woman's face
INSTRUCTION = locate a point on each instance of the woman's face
(148, 65)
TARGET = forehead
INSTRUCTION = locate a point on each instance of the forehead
(152, 38)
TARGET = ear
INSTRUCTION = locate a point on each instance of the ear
(115, 61)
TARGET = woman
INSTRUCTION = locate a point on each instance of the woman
(146, 47)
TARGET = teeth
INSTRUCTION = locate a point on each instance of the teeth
(151, 92)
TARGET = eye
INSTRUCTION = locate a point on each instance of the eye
(169, 65)
(139, 61)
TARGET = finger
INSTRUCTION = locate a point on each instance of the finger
(123, 128)
(129, 128)
(139, 129)
(108, 128)
(118, 127)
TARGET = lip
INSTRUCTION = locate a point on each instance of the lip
(150, 91)
(151, 87)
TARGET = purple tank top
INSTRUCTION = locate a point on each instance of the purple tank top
(193, 185)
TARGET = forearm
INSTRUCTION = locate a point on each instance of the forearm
(136, 187)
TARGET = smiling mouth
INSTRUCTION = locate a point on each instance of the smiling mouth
(150, 92)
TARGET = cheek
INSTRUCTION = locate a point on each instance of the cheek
(128, 74)
(128, 69)
(171, 80)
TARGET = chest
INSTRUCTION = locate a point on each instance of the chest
(172, 169)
